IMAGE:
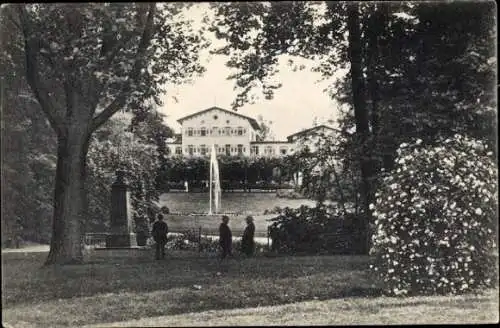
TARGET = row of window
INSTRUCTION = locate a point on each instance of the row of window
(229, 149)
(204, 150)
(215, 131)
(268, 150)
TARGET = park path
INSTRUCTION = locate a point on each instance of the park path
(28, 249)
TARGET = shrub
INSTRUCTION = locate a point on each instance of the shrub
(185, 241)
(290, 194)
(315, 230)
(435, 220)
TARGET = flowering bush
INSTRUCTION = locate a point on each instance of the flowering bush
(436, 219)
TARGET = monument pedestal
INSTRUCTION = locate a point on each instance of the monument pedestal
(116, 240)
(120, 234)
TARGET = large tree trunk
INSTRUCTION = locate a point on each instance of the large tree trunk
(69, 200)
(360, 113)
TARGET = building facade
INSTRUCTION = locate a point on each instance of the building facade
(232, 134)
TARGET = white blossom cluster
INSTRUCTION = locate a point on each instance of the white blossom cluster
(435, 219)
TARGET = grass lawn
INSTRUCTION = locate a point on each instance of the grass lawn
(346, 311)
(210, 224)
(238, 202)
(111, 289)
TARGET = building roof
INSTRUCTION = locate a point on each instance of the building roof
(307, 131)
(252, 121)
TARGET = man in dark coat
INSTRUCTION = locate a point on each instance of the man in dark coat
(247, 242)
(225, 237)
(159, 233)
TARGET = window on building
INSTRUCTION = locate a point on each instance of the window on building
(269, 150)
(203, 132)
(255, 150)
(190, 132)
(228, 149)
(178, 150)
(228, 130)
(283, 150)
(240, 131)
(203, 150)
(240, 149)
(215, 131)
(190, 150)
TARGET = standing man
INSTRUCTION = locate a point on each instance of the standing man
(160, 230)
(225, 237)
(247, 242)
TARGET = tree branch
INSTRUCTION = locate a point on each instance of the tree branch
(120, 100)
(96, 86)
(33, 75)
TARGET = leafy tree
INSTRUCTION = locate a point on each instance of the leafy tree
(83, 63)
(265, 133)
(114, 148)
(147, 124)
(27, 146)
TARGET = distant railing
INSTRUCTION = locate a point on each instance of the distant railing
(95, 239)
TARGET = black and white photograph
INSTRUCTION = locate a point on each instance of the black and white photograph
(279, 163)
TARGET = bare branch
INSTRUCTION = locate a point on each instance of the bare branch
(31, 49)
(120, 100)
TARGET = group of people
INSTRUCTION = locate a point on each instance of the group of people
(160, 231)
(226, 237)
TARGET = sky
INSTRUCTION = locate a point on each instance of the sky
(294, 107)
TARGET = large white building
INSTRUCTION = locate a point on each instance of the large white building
(232, 134)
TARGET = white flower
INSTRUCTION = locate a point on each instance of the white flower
(371, 207)
(478, 211)
(418, 142)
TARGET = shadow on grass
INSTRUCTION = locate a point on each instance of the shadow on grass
(262, 279)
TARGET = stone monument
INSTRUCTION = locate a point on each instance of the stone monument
(121, 234)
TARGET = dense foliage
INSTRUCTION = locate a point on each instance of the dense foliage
(113, 148)
(401, 70)
(315, 230)
(28, 167)
(235, 172)
(436, 218)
